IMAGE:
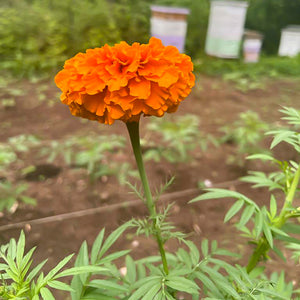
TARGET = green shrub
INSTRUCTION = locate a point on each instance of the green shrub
(37, 36)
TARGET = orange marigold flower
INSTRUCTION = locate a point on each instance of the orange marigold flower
(123, 82)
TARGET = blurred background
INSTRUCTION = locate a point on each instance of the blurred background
(37, 36)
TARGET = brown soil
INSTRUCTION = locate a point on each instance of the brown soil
(61, 189)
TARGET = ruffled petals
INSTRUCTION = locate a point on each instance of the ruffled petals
(124, 82)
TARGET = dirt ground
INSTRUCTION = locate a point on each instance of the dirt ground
(66, 189)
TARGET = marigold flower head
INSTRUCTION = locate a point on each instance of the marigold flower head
(124, 82)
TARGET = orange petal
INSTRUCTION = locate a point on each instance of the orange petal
(140, 89)
(157, 96)
(168, 78)
(94, 103)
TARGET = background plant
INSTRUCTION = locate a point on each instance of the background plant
(204, 271)
(247, 77)
(60, 29)
(273, 223)
(245, 133)
(92, 153)
(178, 137)
(19, 282)
(11, 193)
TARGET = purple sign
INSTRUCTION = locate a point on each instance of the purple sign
(169, 25)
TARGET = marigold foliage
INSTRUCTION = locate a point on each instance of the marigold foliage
(124, 82)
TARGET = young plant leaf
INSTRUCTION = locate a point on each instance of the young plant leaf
(57, 268)
(273, 206)
(246, 215)
(152, 293)
(35, 271)
(268, 233)
(80, 270)
(235, 208)
(46, 294)
(204, 247)
(144, 288)
(131, 269)
(107, 285)
(96, 246)
(258, 224)
(182, 284)
(112, 238)
(194, 252)
(60, 285)
(20, 248)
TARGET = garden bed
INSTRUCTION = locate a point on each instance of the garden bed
(61, 189)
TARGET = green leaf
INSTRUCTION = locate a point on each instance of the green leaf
(273, 206)
(169, 297)
(223, 193)
(95, 295)
(141, 271)
(261, 157)
(184, 257)
(288, 239)
(208, 283)
(113, 256)
(194, 252)
(28, 200)
(112, 238)
(216, 194)
(83, 260)
(257, 271)
(145, 280)
(214, 245)
(152, 292)
(77, 286)
(258, 224)
(225, 252)
(246, 215)
(131, 269)
(14, 276)
(35, 271)
(271, 293)
(204, 247)
(12, 249)
(278, 231)
(60, 285)
(12, 265)
(57, 268)
(268, 233)
(180, 271)
(225, 286)
(80, 270)
(182, 284)
(279, 253)
(144, 288)
(221, 282)
(26, 261)
(281, 136)
(235, 208)
(291, 228)
(96, 246)
(46, 294)
(107, 285)
(20, 248)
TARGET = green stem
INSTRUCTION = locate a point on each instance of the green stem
(133, 130)
(260, 251)
(263, 246)
(291, 193)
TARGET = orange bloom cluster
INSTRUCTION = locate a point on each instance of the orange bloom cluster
(123, 82)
